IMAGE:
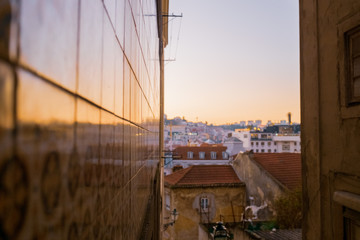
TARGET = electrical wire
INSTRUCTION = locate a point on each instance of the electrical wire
(178, 37)
(171, 43)
(170, 40)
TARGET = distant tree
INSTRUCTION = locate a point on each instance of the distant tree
(288, 209)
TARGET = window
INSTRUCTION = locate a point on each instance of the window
(201, 155)
(190, 154)
(225, 155)
(204, 204)
(252, 143)
(262, 150)
(213, 155)
(269, 143)
(286, 146)
(352, 224)
(274, 150)
(262, 143)
(257, 143)
(257, 150)
(352, 41)
(275, 143)
(269, 150)
(294, 143)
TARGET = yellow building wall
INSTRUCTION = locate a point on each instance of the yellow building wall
(187, 203)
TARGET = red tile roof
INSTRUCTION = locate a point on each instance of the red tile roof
(203, 175)
(285, 167)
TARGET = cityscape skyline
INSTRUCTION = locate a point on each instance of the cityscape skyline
(264, 122)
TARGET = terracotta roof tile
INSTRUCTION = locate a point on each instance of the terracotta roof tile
(203, 175)
(285, 167)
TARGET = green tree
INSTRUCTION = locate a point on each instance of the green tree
(288, 209)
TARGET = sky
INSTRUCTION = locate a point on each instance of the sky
(234, 60)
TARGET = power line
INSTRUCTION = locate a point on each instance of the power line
(172, 58)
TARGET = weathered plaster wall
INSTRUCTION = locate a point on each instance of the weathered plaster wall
(186, 201)
(330, 128)
(259, 184)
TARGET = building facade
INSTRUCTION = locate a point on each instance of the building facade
(330, 117)
(186, 156)
(81, 88)
(203, 195)
(275, 143)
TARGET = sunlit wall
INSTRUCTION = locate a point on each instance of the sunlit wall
(79, 117)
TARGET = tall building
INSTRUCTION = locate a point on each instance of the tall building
(81, 115)
(330, 118)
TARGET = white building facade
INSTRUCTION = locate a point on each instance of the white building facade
(275, 143)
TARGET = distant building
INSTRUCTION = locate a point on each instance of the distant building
(258, 122)
(244, 135)
(186, 156)
(275, 143)
(234, 145)
(276, 139)
(203, 195)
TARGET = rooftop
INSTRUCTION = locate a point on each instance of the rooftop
(232, 139)
(285, 167)
(279, 234)
(204, 175)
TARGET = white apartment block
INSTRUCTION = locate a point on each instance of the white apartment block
(275, 143)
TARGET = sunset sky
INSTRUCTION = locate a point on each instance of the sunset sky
(235, 60)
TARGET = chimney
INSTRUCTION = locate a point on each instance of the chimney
(289, 117)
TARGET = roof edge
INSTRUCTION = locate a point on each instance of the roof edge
(204, 185)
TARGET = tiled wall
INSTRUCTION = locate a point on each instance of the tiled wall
(79, 117)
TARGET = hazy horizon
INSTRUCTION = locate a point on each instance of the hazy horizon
(236, 122)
